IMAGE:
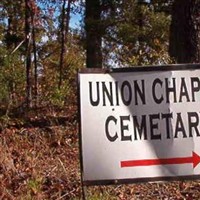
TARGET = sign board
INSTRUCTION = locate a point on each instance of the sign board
(140, 124)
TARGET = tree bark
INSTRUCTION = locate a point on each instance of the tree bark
(28, 52)
(185, 31)
(93, 34)
(64, 32)
(62, 43)
(35, 61)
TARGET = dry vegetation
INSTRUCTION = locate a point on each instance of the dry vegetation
(39, 159)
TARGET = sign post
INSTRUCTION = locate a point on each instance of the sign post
(140, 124)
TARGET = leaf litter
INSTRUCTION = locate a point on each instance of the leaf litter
(39, 159)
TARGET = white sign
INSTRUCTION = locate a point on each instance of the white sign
(140, 125)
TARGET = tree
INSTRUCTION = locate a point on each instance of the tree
(28, 51)
(185, 31)
(93, 34)
(35, 59)
(12, 79)
(11, 16)
(138, 35)
(65, 18)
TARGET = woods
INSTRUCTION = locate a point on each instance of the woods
(42, 50)
(43, 44)
(32, 35)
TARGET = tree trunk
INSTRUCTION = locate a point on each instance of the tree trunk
(185, 31)
(62, 44)
(28, 52)
(67, 19)
(64, 32)
(93, 34)
(35, 61)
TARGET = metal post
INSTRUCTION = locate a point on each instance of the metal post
(83, 188)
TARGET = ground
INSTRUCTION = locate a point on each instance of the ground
(39, 159)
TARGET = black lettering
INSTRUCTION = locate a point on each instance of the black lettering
(126, 94)
(171, 89)
(110, 137)
(183, 91)
(156, 99)
(107, 93)
(193, 123)
(167, 117)
(93, 102)
(179, 126)
(141, 128)
(154, 126)
(195, 86)
(124, 128)
(140, 92)
(117, 93)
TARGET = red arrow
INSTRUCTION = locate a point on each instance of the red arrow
(194, 159)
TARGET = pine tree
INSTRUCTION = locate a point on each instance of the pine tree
(185, 31)
(93, 34)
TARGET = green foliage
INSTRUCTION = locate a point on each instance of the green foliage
(132, 35)
(12, 78)
(56, 96)
(34, 186)
(139, 37)
(73, 61)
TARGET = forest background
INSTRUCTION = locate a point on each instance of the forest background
(40, 54)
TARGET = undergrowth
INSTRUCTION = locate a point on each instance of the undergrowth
(39, 160)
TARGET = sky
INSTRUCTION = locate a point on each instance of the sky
(75, 20)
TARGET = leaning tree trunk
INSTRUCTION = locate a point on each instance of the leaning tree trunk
(185, 31)
(93, 34)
